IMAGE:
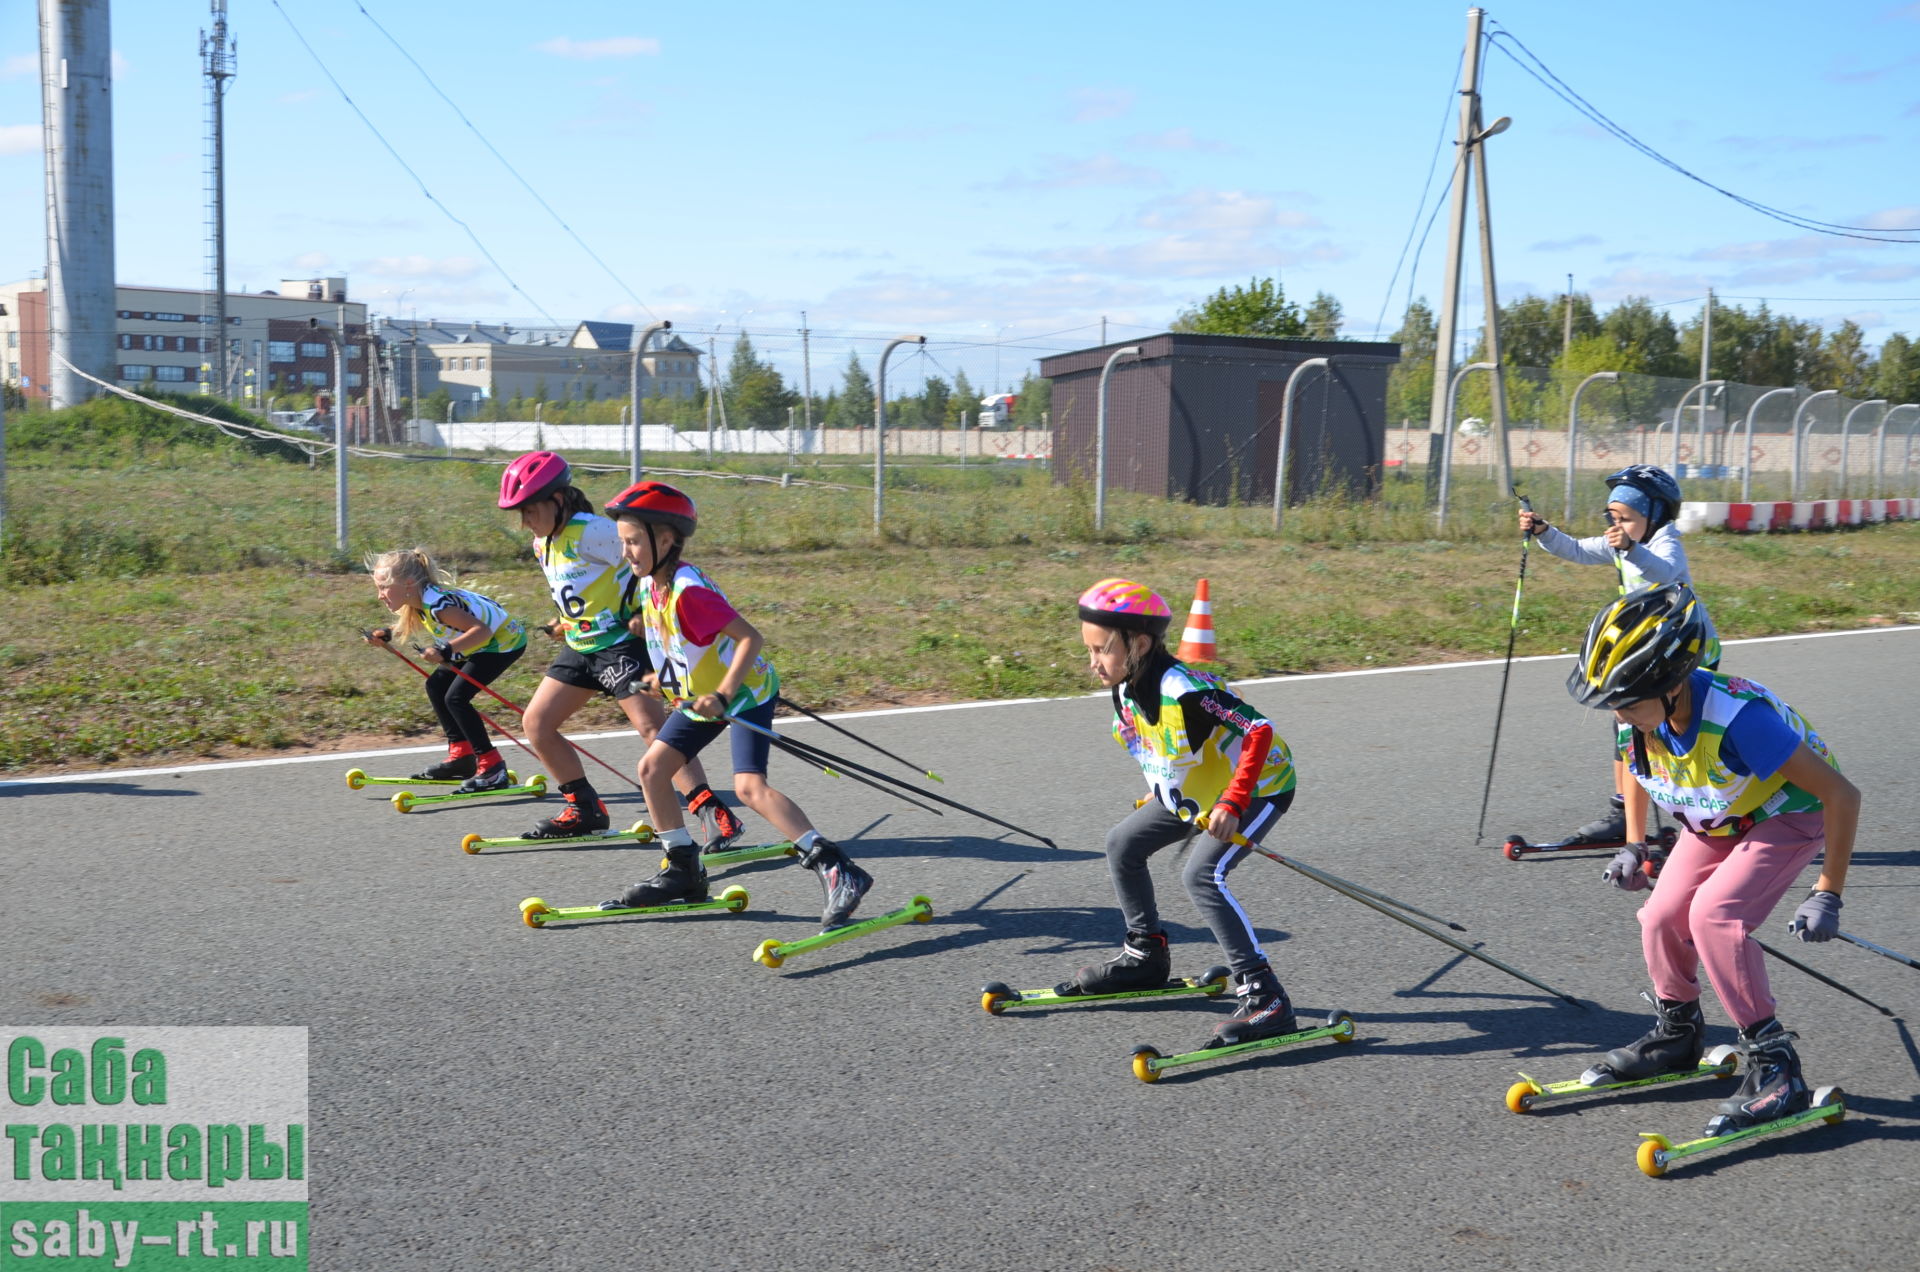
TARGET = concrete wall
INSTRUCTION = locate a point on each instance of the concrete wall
(524, 435)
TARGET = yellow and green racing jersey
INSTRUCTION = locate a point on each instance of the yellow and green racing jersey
(1191, 751)
(589, 580)
(688, 667)
(509, 633)
(1700, 789)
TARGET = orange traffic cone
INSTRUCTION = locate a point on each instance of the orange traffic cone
(1196, 641)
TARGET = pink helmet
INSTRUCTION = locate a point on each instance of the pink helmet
(1129, 606)
(533, 477)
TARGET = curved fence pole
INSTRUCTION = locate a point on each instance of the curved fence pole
(1573, 432)
(1746, 462)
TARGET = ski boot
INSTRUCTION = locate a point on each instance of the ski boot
(1772, 1087)
(1673, 1045)
(577, 818)
(458, 765)
(841, 882)
(680, 879)
(487, 779)
(1142, 963)
(720, 826)
(1264, 1010)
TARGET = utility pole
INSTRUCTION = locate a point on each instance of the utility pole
(1491, 295)
(1103, 329)
(1448, 318)
(1706, 374)
(219, 63)
(1566, 335)
(713, 391)
(806, 371)
(76, 100)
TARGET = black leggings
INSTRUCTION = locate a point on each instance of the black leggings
(452, 696)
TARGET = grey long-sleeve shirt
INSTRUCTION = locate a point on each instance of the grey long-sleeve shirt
(1662, 559)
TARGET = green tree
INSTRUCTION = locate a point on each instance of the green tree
(1410, 382)
(853, 408)
(1844, 363)
(1261, 308)
(1032, 400)
(1322, 317)
(1635, 324)
(933, 401)
(754, 392)
(1897, 374)
(965, 401)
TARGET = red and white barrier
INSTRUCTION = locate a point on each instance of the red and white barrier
(1818, 514)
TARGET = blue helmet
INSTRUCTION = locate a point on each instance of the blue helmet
(1657, 484)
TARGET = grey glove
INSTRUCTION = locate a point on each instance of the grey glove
(1624, 872)
(1818, 918)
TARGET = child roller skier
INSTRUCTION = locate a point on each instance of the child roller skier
(593, 590)
(706, 660)
(470, 632)
(1758, 794)
(1213, 766)
(1643, 544)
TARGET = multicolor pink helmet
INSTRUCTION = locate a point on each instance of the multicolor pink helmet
(533, 477)
(1124, 604)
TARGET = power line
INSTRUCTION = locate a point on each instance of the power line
(513, 171)
(1433, 165)
(1559, 88)
(381, 138)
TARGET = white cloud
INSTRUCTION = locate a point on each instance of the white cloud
(20, 64)
(1875, 73)
(1657, 284)
(312, 263)
(19, 139)
(117, 66)
(1562, 245)
(1179, 139)
(1904, 218)
(594, 50)
(1091, 105)
(1058, 172)
(418, 266)
(1224, 211)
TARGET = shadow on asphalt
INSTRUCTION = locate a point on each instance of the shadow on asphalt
(90, 788)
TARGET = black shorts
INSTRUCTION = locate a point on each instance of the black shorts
(615, 670)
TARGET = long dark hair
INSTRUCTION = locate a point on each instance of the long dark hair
(572, 501)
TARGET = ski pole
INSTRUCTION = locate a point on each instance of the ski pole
(817, 718)
(789, 747)
(824, 757)
(1513, 631)
(1353, 894)
(491, 722)
(1824, 980)
(1881, 950)
(517, 710)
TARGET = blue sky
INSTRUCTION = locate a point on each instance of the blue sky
(998, 177)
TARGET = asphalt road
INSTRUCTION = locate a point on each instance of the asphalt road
(640, 1094)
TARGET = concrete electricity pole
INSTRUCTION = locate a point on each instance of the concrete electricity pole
(76, 97)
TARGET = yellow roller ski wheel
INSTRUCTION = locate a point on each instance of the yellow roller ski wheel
(1142, 1069)
(472, 843)
(926, 910)
(735, 897)
(356, 778)
(531, 911)
(403, 801)
(993, 1004)
(1647, 1158)
(1520, 1097)
(643, 833)
(538, 782)
(767, 954)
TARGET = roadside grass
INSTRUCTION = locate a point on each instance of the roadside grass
(168, 600)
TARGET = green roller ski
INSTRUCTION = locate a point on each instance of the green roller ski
(774, 953)
(356, 779)
(536, 913)
(995, 997)
(1721, 1062)
(407, 801)
(739, 856)
(638, 833)
(1657, 1152)
(1149, 1064)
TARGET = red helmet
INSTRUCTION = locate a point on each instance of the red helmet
(533, 477)
(656, 502)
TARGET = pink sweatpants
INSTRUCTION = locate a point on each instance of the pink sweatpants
(1709, 899)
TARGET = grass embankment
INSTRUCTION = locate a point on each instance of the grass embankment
(169, 596)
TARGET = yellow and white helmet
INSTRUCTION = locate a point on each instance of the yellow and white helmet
(1640, 646)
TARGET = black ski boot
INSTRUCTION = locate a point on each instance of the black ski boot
(453, 768)
(841, 882)
(579, 817)
(1772, 1087)
(487, 779)
(720, 827)
(1142, 963)
(1264, 1010)
(680, 879)
(1606, 832)
(1673, 1045)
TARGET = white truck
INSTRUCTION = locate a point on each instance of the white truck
(997, 411)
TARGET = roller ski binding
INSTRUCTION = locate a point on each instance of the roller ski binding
(996, 996)
(1674, 1050)
(536, 913)
(1149, 1064)
(455, 768)
(536, 786)
(774, 953)
(577, 819)
(638, 833)
(357, 778)
(1264, 1011)
(1773, 1096)
(680, 880)
(842, 883)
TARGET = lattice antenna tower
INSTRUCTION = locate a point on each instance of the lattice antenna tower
(219, 63)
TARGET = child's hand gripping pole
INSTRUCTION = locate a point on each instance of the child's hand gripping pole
(1372, 900)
